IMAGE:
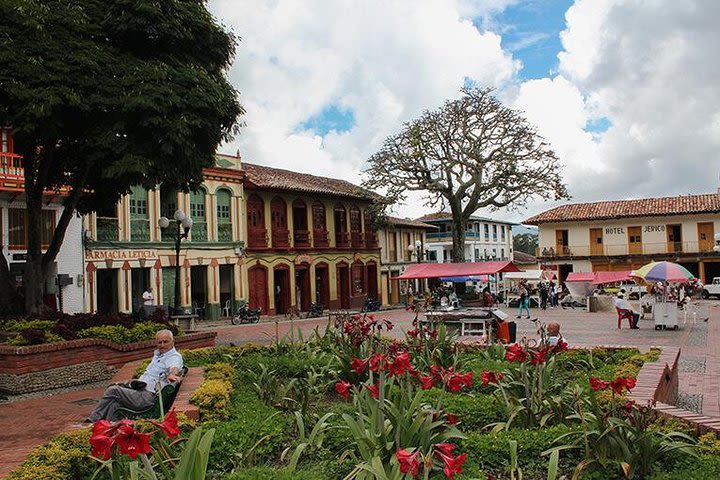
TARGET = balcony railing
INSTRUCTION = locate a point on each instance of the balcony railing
(342, 239)
(280, 238)
(107, 229)
(11, 166)
(301, 238)
(357, 239)
(657, 248)
(447, 236)
(371, 240)
(225, 232)
(257, 238)
(140, 230)
(320, 238)
(199, 232)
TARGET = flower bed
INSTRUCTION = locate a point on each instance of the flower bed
(352, 404)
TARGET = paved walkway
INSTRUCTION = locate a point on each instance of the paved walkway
(28, 423)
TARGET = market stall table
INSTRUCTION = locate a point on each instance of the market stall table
(471, 321)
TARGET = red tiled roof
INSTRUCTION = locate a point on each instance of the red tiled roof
(643, 207)
(522, 257)
(407, 222)
(447, 216)
(262, 177)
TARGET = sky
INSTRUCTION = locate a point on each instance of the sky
(627, 92)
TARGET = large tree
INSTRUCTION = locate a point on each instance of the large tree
(102, 95)
(471, 153)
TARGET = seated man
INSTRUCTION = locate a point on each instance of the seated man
(554, 337)
(621, 304)
(163, 369)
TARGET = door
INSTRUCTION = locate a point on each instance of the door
(140, 280)
(278, 223)
(596, 241)
(107, 290)
(674, 238)
(227, 284)
(561, 242)
(706, 236)
(256, 222)
(168, 286)
(257, 289)
(394, 288)
(372, 286)
(302, 287)
(322, 285)
(281, 277)
(634, 241)
(343, 285)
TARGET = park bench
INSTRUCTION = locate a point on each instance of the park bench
(167, 397)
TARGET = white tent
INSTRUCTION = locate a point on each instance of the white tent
(529, 275)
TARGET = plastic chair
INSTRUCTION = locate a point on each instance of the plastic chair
(622, 313)
(226, 309)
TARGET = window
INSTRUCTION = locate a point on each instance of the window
(502, 253)
(495, 233)
(502, 232)
(138, 202)
(5, 141)
(197, 213)
(392, 246)
(223, 216)
(477, 254)
(17, 228)
(487, 231)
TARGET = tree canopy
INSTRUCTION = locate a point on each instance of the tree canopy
(105, 95)
(469, 154)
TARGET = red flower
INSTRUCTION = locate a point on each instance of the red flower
(408, 461)
(359, 365)
(400, 364)
(426, 382)
(378, 362)
(515, 353)
(466, 379)
(561, 346)
(436, 372)
(103, 427)
(621, 383)
(597, 384)
(374, 390)
(539, 357)
(101, 445)
(170, 425)
(629, 406)
(630, 383)
(444, 448)
(412, 333)
(491, 377)
(343, 389)
(388, 325)
(451, 419)
(131, 442)
(453, 465)
(454, 383)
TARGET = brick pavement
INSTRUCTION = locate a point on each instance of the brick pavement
(22, 427)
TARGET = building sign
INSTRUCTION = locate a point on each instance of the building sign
(120, 254)
(653, 228)
(614, 230)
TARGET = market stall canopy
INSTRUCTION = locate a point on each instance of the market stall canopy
(663, 272)
(532, 275)
(469, 278)
(440, 270)
(611, 277)
(580, 277)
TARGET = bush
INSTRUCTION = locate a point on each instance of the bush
(119, 334)
(254, 433)
(64, 457)
(267, 473)
(473, 411)
(492, 451)
(212, 397)
(701, 468)
(220, 371)
(202, 356)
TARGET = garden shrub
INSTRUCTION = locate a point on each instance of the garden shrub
(492, 452)
(212, 397)
(220, 371)
(64, 457)
(253, 434)
(225, 353)
(119, 334)
(473, 411)
(702, 468)
(268, 473)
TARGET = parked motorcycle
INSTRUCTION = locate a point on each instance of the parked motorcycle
(245, 314)
(371, 305)
(315, 310)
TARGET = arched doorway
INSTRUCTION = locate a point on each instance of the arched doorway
(343, 285)
(281, 280)
(302, 287)
(322, 284)
(258, 288)
(372, 286)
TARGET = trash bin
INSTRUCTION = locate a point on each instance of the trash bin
(512, 329)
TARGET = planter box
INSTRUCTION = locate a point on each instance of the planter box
(30, 368)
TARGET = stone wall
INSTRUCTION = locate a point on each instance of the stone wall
(61, 377)
(88, 359)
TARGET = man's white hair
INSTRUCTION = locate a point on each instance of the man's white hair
(165, 332)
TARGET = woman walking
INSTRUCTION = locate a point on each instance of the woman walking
(524, 300)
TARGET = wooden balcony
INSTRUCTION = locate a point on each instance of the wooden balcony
(320, 238)
(357, 239)
(280, 238)
(342, 239)
(371, 240)
(11, 167)
(257, 238)
(301, 238)
(606, 250)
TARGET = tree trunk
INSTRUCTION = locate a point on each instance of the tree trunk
(33, 280)
(458, 231)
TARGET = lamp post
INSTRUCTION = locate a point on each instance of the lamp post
(184, 224)
(417, 251)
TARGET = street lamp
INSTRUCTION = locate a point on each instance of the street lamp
(417, 250)
(184, 224)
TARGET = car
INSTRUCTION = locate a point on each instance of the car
(711, 289)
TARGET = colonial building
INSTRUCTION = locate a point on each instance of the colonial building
(63, 289)
(127, 251)
(399, 243)
(308, 239)
(626, 234)
(485, 238)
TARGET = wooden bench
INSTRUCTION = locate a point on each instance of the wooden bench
(170, 395)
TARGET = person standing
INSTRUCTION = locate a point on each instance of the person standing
(147, 297)
(543, 290)
(524, 300)
(552, 294)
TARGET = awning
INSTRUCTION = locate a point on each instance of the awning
(439, 270)
(533, 275)
(469, 278)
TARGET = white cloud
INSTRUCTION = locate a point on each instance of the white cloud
(646, 66)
